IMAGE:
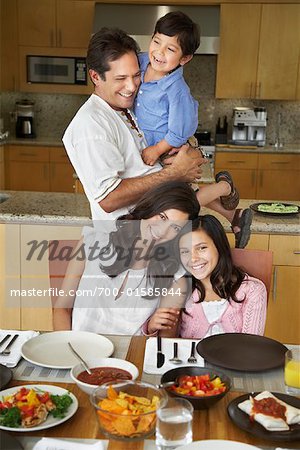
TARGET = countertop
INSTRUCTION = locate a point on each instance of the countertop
(73, 210)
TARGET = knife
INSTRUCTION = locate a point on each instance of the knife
(4, 339)
(160, 355)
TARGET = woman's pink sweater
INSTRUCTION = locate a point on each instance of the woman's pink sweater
(248, 316)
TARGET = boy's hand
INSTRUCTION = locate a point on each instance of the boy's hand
(186, 163)
(163, 319)
(150, 155)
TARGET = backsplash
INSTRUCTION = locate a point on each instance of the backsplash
(53, 112)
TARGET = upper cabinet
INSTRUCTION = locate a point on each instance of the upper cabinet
(259, 51)
(55, 23)
(9, 67)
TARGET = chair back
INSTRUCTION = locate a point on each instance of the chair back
(59, 255)
(257, 263)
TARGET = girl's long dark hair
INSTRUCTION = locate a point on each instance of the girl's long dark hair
(163, 263)
(225, 278)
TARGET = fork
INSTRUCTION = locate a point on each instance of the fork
(192, 359)
(175, 359)
(6, 351)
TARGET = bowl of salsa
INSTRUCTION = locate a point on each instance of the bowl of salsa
(104, 370)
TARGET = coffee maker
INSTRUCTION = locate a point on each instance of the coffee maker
(249, 126)
(25, 119)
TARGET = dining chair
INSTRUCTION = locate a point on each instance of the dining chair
(59, 253)
(257, 263)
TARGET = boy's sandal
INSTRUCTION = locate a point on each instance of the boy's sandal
(243, 221)
(230, 201)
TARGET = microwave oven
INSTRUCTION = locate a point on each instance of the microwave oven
(56, 69)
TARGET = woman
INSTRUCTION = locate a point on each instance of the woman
(224, 299)
(125, 275)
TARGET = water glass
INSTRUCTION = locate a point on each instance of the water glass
(174, 424)
(292, 371)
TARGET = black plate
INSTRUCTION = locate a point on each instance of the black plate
(5, 376)
(242, 420)
(243, 352)
(9, 442)
(255, 206)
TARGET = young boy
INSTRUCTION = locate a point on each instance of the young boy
(168, 114)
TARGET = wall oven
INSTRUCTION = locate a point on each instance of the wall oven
(71, 70)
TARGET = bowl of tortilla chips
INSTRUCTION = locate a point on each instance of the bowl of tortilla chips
(126, 410)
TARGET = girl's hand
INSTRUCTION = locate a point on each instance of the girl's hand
(163, 319)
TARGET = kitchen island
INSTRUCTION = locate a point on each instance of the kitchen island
(27, 217)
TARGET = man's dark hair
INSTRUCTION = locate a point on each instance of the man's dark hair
(107, 45)
(179, 24)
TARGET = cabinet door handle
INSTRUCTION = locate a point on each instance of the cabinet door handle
(28, 154)
(46, 171)
(280, 162)
(274, 284)
(59, 38)
(296, 252)
(238, 162)
(251, 86)
(258, 90)
(52, 170)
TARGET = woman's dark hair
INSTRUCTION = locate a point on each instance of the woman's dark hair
(163, 263)
(225, 278)
(107, 45)
(179, 24)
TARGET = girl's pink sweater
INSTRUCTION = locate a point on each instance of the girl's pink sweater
(248, 316)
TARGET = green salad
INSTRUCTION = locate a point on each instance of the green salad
(277, 208)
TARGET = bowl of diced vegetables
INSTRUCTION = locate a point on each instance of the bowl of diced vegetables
(203, 387)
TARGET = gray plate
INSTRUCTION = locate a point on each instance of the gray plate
(242, 351)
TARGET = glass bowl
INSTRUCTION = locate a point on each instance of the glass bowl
(115, 404)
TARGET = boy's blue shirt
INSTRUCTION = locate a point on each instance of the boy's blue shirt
(165, 108)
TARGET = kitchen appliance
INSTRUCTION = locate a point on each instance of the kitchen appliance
(56, 70)
(25, 119)
(249, 126)
(203, 137)
(139, 20)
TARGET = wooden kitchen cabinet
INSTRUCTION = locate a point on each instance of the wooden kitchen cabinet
(2, 169)
(283, 316)
(259, 51)
(10, 313)
(43, 169)
(268, 176)
(243, 168)
(9, 67)
(278, 177)
(55, 23)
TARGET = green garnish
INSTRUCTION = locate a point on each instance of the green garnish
(62, 403)
(10, 417)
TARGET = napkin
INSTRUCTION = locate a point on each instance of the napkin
(15, 355)
(59, 444)
(271, 423)
(184, 351)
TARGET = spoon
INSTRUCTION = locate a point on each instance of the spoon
(175, 359)
(80, 359)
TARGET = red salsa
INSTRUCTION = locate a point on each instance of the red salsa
(270, 407)
(102, 375)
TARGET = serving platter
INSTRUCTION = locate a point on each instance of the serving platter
(52, 350)
(218, 444)
(242, 420)
(50, 421)
(243, 352)
(255, 206)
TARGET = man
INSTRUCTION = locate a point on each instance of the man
(103, 141)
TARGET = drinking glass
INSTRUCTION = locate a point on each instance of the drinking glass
(292, 371)
(174, 424)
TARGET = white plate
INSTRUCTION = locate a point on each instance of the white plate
(218, 444)
(50, 421)
(52, 350)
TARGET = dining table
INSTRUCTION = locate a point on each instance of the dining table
(212, 423)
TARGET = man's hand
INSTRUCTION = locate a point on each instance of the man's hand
(186, 163)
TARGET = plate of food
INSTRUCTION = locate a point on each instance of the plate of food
(272, 416)
(52, 350)
(218, 444)
(275, 209)
(35, 407)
